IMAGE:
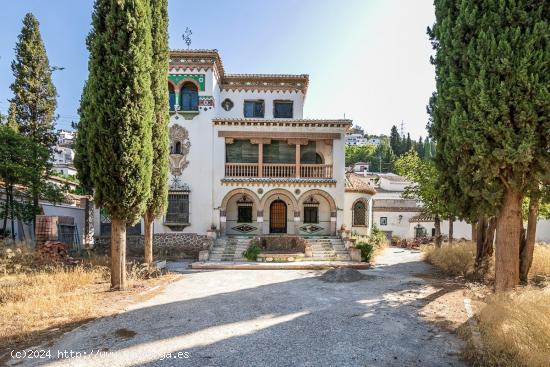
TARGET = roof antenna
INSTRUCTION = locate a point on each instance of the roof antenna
(187, 36)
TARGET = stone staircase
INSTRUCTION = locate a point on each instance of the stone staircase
(229, 249)
(328, 249)
(324, 249)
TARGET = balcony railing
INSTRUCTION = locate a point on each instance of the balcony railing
(278, 170)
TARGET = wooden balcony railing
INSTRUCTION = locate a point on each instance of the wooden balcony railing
(277, 170)
(241, 170)
(316, 170)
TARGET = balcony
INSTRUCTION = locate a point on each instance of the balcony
(278, 170)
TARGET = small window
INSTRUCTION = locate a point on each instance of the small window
(244, 214)
(282, 109)
(311, 214)
(178, 207)
(254, 108)
(359, 214)
(383, 221)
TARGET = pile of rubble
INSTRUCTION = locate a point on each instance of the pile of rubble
(54, 252)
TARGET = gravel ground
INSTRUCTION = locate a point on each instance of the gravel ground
(272, 318)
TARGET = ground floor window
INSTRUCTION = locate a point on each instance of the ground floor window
(311, 214)
(178, 207)
(244, 214)
(383, 221)
(359, 214)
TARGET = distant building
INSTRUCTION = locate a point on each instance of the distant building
(360, 167)
(63, 154)
(360, 140)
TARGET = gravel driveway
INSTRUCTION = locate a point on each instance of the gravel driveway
(272, 318)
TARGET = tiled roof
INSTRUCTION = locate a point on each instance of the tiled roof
(393, 177)
(202, 58)
(358, 183)
(423, 217)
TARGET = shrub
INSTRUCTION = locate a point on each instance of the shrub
(515, 329)
(452, 260)
(252, 251)
(367, 250)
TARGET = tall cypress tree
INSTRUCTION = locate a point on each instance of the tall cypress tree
(490, 115)
(395, 140)
(120, 116)
(34, 94)
(157, 203)
(12, 119)
(81, 157)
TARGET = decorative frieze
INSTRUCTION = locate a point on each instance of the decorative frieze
(198, 79)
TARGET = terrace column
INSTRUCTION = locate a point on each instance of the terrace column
(260, 142)
(298, 143)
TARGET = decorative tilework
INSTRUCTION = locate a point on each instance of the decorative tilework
(177, 78)
(311, 228)
(245, 228)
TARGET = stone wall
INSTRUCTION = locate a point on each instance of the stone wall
(171, 246)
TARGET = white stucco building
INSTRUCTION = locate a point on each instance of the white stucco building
(244, 160)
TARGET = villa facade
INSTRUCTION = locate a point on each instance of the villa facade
(244, 161)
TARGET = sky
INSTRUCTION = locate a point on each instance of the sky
(367, 60)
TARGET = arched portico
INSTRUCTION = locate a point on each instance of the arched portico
(238, 212)
(269, 211)
(324, 220)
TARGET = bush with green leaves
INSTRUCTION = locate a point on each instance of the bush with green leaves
(367, 250)
(252, 251)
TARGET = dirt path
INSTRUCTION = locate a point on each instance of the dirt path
(274, 318)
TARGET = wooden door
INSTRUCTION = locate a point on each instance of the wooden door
(277, 217)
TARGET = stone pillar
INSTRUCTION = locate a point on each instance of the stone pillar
(298, 160)
(223, 220)
(260, 221)
(260, 159)
(297, 221)
(333, 223)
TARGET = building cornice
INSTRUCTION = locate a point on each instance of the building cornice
(277, 135)
(182, 61)
(281, 122)
(395, 209)
(268, 181)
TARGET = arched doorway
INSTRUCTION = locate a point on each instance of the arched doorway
(277, 216)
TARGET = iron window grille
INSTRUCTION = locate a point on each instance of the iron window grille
(178, 207)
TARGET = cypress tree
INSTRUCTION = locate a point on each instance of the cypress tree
(157, 203)
(490, 115)
(34, 94)
(395, 141)
(82, 158)
(119, 116)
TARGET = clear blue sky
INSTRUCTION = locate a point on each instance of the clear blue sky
(367, 59)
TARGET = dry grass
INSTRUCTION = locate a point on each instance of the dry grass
(515, 329)
(39, 302)
(48, 298)
(541, 261)
(458, 259)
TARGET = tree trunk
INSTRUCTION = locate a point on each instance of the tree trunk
(437, 224)
(490, 236)
(474, 231)
(528, 243)
(451, 230)
(118, 254)
(485, 236)
(148, 238)
(6, 210)
(12, 217)
(508, 233)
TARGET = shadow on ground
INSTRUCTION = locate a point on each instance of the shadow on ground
(272, 318)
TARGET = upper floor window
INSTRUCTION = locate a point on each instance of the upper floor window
(282, 109)
(254, 108)
(189, 97)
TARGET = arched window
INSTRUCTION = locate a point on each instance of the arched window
(177, 149)
(360, 214)
(189, 97)
(171, 97)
